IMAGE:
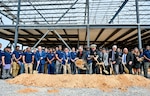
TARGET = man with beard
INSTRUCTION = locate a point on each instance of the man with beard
(95, 55)
(17, 64)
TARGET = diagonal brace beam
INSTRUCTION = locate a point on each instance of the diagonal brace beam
(118, 11)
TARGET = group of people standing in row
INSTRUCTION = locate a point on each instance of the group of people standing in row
(58, 61)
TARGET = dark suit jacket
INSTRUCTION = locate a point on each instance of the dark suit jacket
(116, 56)
(82, 55)
(129, 57)
(95, 53)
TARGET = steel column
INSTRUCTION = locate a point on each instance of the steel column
(87, 27)
(138, 24)
(17, 23)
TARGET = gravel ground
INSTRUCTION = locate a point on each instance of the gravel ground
(11, 90)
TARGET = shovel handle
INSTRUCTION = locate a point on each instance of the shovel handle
(37, 65)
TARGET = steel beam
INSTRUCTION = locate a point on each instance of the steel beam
(88, 20)
(17, 27)
(135, 35)
(74, 26)
(45, 4)
(101, 31)
(124, 34)
(138, 24)
(39, 36)
(118, 11)
(111, 35)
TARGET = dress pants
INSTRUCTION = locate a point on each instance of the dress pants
(89, 71)
(129, 68)
(146, 66)
(116, 69)
(58, 67)
(51, 68)
(41, 68)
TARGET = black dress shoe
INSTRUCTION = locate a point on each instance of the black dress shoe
(146, 76)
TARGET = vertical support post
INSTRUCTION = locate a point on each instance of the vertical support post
(87, 27)
(138, 24)
(17, 23)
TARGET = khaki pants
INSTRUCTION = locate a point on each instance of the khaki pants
(15, 69)
(30, 66)
(66, 68)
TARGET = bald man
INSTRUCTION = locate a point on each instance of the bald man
(127, 59)
(40, 59)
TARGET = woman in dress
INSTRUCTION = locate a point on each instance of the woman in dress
(137, 61)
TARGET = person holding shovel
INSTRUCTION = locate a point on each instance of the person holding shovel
(105, 60)
(96, 58)
(114, 60)
(127, 60)
(40, 58)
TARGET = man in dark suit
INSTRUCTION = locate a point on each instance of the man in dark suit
(114, 59)
(127, 59)
(81, 53)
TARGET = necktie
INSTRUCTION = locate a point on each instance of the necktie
(124, 58)
(113, 55)
(102, 56)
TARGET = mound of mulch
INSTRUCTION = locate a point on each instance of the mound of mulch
(103, 82)
(27, 90)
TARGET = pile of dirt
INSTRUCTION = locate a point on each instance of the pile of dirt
(103, 82)
(27, 90)
(53, 91)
